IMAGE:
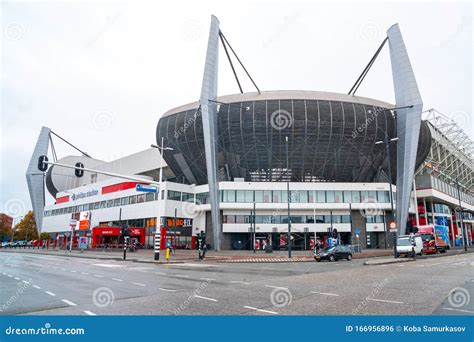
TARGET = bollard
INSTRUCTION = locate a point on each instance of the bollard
(168, 254)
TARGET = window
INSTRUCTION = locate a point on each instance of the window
(336, 218)
(174, 195)
(303, 196)
(338, 197)
(116, 202)
(124, 201)
(258, 196)
(297, 219)
(375, 219)
(249, 196)
(187, 197)
(345, 218)
(276, 196)
(372, 196)
(347, 197)
(311, 198)
(330, 196)
(229, 219)
(91, 206)
(202, 198)
(96, 205)
(69, 210)
(309, 219)
(284, 196)
(321, 196)
(267, 196)
(102, 204)
(228, 196)
(149, 197)
(327, 218)
(355, 197)
(239, 219)
(240, 196)
(141, 198)
(320, 219)
(383, 196)
(364, 196)
(132, 199)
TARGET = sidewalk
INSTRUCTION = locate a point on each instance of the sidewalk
(147, 256)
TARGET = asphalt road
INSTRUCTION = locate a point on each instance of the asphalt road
(60, 285)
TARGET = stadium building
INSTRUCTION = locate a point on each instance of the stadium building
(246, 168)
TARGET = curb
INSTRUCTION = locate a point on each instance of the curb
(389, 261)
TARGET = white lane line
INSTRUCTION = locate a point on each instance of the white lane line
(90, 313)
(384, 301)
(205, 298)
(400, 265)
(26, 282)
(63, 269)
(68, 302)
(4, 273)
(420, 265)
(325, 293)
(276, 287)
(436, 263)
(139, 284)
(261, 310)
(16, 278)
(239, 282)
(208, 279)
(116, 279)
(85, 273)
(168, 290)
(37, 287)
(98, 276)
(10, 275)
(50, 293)
(181, 275)
(162, 273)
(458, 310)
(72, 271)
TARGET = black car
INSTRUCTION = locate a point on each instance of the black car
(334, 253)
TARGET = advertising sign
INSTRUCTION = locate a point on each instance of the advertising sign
(82, 242)
(84, 220)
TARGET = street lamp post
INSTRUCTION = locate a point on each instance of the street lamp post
(158, 226)
(463, 227)
(288, 198)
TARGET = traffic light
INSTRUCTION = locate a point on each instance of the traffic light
(334, 233)
(126, 232)
(42, 163)
(78, 171)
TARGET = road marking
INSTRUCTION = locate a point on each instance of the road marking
(98, 276)
(436, 263)
(181, 275)
(68, 302)
(458, 310)
(400, 265)
(90, 313)
(206, 298)
(238, 282)
(276, 287)
(208, 279)
(37, 287)
(117, 279)
(162, 273)
(108, 265)
(139, 284)
(63, 269)
(326, 293)
(384, 301)
(72, 271)
(26, 282)
(16, 278)
(261, 310)
(420, 265)
(50, 293)
(10, 275)
(85, 273)
(169, 290)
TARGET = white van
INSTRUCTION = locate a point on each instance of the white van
(409, 245)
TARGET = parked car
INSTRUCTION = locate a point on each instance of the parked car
(5, 244)
(409, 246)
(334, 253)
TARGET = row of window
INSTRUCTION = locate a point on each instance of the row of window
(304, 196)
(267, 219)
(117, 202)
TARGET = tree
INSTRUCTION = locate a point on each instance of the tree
(26, 228)
(5, 232)
(45, 236)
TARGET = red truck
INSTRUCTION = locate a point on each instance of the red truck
(432, 243)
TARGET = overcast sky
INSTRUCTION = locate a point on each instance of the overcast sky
(101, 75)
